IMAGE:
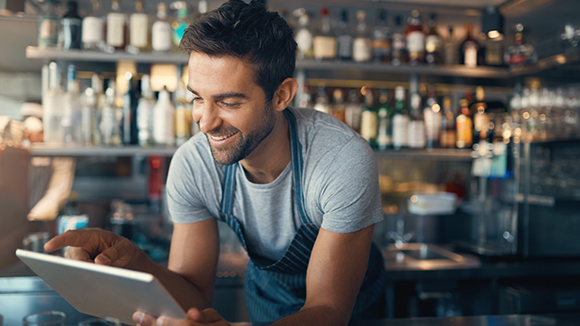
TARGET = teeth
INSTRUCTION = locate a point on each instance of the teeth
(220, 137)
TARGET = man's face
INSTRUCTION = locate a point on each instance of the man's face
(228, 106)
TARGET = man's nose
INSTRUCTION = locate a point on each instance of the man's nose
(209, 118)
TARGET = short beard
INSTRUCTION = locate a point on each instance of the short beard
(246, 144)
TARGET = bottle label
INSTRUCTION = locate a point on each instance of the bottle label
(416, 134)
(432, 124)
(416, 42)
(161, 36)
(48, 28)
(464, 131)
(470, 55)
(368, 128)
(400, 124)
(304, 40)
(432, 43)
(93, 28)
(493, 54)
(115, 29)
(324, 47)
(362, 49)
(384, 139)
(344, 49)
(138, 30)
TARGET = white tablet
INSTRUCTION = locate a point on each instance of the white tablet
(103, 291)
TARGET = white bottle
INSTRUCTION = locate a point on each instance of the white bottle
(116, 26)
(400, 120)
(416, 128)
(110, 132)
(52, 103)
(362, 46)
(145, 113)
(161, 30)
(72, 110)
(138, 28)
(163, 123)
(303, 37)
(93, 31)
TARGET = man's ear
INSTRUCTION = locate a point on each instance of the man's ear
(284, 94)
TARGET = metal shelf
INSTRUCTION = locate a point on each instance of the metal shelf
(47, 150)
(449, 154)
(33, 52)
(545, 64)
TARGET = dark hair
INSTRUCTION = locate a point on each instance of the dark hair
(249, 32)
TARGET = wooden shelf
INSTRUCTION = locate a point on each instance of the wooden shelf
(47, 150)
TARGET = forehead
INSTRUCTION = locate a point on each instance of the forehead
(220, 74)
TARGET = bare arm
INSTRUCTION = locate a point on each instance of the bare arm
(192, 260)
(335, 273)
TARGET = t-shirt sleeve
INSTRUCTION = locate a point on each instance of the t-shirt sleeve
(350, 198)
(184, 199)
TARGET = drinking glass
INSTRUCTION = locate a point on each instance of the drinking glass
(45, 318)
(108, 321)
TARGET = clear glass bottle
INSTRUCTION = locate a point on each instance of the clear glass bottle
(362, 44)
(145, 113)
(89, 116)
(353, 111)
(382, 42)
(450, 49)
(369, 119)
(129, 121)
(400, 119)
(183, 116)
(52, 103)
(303, 37)
(385, 124)
(101, 97)
(415, 39)
(433, 43)
(161, 31)
(48, 27)
(399, 54)
(110, 131)
(138, 29)
(72, 110)
(432, 118)
(344, 38)
(469, 48)
(181, 22)
(116, 28)
(322, 102)
(324, 43)
(71, 28)
(163, 122)
(416, 128)
(93, 30)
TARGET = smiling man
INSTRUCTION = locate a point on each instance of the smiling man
(298, 187)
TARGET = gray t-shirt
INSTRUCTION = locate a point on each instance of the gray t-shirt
(339, 183)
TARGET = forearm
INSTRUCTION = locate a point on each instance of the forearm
(318, 315)
(186, 293)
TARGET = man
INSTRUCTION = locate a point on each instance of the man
(299, 188)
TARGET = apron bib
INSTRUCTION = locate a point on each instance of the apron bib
(275, 289)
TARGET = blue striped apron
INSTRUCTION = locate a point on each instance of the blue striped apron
(275, 289)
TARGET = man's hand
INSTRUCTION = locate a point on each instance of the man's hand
(95, 245)
(194, 317)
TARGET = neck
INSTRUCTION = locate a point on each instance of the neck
(271, 157)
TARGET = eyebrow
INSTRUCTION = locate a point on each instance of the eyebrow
(222, 96)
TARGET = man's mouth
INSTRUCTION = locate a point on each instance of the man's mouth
(221, 139)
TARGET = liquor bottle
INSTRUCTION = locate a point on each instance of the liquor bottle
(344, 39)
(303, 37)
(415, 39)
(448, 133)
(180, 24)
(305, 100)
(110, 132)
(72, 111)
(338, 108)
(138, 29)
(52, 103)
(201, 8)
(71, 27)
(324, 44)
(163, 122)
(145, 113)
(382, 42)
(101, 97)
(116, 28)
(416, 128)
(400, 120)
(520, 53)
(433, 43)
(353, 111)
(432, 117)
(129, 121)
(480, 116)
(48, 27)
(384, 138)
(469, 48)
(322, 102)
(93, 29)
(494, 52)
(362, 44)
(450, 49)
(400, 54)
(161, 30)
(369, 119)
(183, 116)
(88, 118)
(464, 126)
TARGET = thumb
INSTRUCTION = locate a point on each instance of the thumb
(205, 316)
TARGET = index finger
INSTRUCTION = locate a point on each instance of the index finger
(73, 238)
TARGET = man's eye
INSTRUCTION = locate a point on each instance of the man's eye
(230, 105)
(197, 99)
